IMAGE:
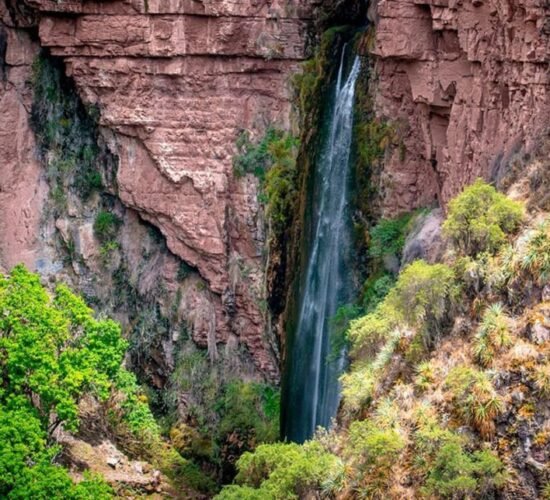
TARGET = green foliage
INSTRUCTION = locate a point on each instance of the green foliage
(367, 332)
(450, 470)
(423, 296)
(536, 259)
(457, 474)
(376, 450)
(52, 349)
(474, 398)
(66, 130)
(106, 225)
(45, 481)
(284, 471)
(134, 405)
(52, 352)
(246, 408)
(255, 158)
(373, 447)
(493, 334)
(388, 236)
(425, 376)
(280, 182)
(359, 383)
(273, 161)
(480, 218)
(310, 83)
(374, 136)
(227, 416)
(375, 290)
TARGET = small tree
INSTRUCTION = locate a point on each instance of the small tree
(423, 296)
(480, 218)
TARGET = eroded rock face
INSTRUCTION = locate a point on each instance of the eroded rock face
(176, 81)
(22, 191)
(469, 85)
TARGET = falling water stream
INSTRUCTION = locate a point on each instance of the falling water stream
(313, 390)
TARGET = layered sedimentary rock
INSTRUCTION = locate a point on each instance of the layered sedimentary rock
(468, 85)
(176, 82)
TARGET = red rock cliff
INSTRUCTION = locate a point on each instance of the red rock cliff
(175, 82)
(469, 82)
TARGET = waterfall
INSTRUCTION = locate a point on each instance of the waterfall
(313, 390)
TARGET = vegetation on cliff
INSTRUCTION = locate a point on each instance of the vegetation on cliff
(448, 386)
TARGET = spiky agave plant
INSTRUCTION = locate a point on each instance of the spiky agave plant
(493, 334)
(536, 259)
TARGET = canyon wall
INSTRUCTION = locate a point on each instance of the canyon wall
(175, 83)
(467, 84)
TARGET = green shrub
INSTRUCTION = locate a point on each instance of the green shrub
(451, 471)
(368, 332)
(373, 448)
(480, 218)
(53, 349)
(375, 290)
(425, 375)
(339, 325)
(254, 158)
(284, 471)
(359, 383)
(249, 408)
(474, 398)
(493, 334)
(52, 352)
(457, 474)
(106, 225)
(388, 236)
(280, 182)
(423, 297)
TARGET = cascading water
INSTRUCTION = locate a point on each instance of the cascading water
(313, 392)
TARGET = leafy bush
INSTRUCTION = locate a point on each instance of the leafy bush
(480, 218)
(388, 236)
(425, 375)
(373, 138)
(457, 474)
(375, 290)
(473, 398)
(106, 225)
(250, 408)
(493, 334)
(280, 182)
(254, 158)
(284, 471)
(53, 349)
(423, 296)
(373, 449)
(52, 353)
(368, 332)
